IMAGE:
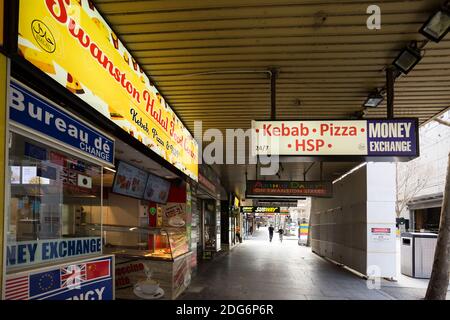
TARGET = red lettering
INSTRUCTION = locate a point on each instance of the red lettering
(304, 130)
(337, 131)
(98, 54)
(136, 95)
(266, 129)
(61, 14)
(172, 128)
(149, 100)
(300, 145)
(309, 144)
(276, 131)
(122, 80)
(79, 35)
(319, 144)
(117, 74)
(285, 130)
(324, 128)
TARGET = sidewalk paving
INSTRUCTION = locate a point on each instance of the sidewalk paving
(406, 288)
(259, 269)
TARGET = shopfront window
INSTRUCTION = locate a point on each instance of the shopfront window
(54, 197)
(210, 225)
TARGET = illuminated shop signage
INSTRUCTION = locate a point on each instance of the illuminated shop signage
(29, 109)
(290, 189)
(367, 138)
(2, 8)
(236, 202)
(26, 253)
(72, 43)
(82, 280)
(260, 209)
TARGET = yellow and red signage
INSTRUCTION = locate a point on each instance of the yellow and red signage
(2, 12)
(3, 89)
(72, 43)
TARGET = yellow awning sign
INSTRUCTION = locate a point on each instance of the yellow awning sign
(72, 43)
(2, 10)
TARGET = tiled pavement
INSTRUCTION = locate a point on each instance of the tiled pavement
(258, 269)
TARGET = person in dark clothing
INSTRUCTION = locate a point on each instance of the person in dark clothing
(281, 232)
(271, 233)
(238, 234)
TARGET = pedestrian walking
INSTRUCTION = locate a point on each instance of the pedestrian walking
(271, 229)
(238, 234)
(281, 232)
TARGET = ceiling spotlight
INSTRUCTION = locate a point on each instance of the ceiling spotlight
(407, 59)
(373, 100)
(438, 25)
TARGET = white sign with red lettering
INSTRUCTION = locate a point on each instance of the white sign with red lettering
(372, 137)
(310, 137)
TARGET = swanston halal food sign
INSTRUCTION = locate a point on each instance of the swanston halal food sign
(73, 44)
(375, 139)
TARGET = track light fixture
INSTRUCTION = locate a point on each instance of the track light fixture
(373, 100)
(438, 25)
(408, 58)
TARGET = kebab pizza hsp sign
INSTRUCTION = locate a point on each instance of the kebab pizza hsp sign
(368, 138)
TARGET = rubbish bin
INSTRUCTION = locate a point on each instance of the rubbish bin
(417, 254)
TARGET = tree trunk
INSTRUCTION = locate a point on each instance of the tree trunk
(438, 285)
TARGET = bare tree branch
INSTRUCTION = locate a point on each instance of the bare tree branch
(407, 189)
(445, 123)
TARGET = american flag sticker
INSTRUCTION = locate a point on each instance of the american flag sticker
(17, 288)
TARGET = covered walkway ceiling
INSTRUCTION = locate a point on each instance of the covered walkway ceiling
(202, 54)
(329, 61)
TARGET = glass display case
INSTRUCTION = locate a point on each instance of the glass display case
(144, 242)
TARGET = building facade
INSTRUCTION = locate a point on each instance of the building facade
(421, 182)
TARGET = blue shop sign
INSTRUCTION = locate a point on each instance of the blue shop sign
(392, 137)
(81, 280)
(31, 110)
(19, 254)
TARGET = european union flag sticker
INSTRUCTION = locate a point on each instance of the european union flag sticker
(44, 282)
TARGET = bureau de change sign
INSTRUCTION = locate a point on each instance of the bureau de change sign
(373, 139)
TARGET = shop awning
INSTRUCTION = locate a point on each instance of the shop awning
(424, 202)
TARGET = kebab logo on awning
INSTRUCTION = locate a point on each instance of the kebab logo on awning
(395, 137)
